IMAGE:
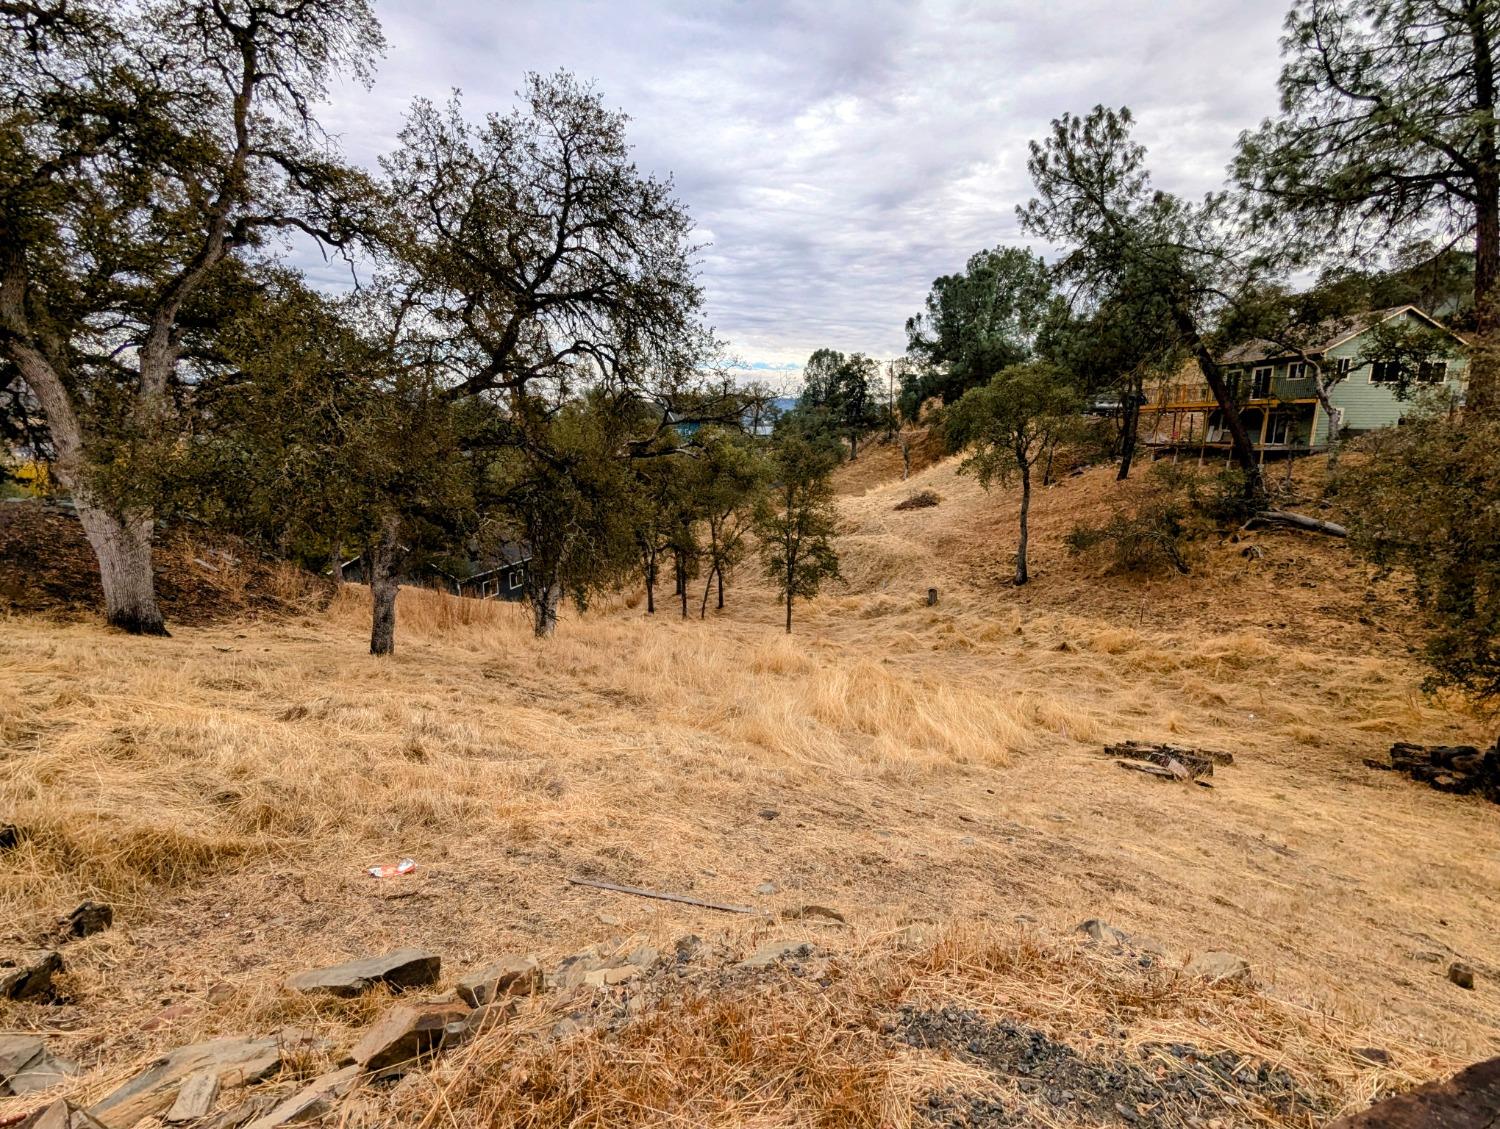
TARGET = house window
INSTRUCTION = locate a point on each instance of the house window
(1385, 372)
(1279, 430)
(1343, 366)
(513, 579)
(1298, 370)
(1260, 383)
(489, 588)
(1432, 372)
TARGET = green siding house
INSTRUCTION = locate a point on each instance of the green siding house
(1275, 389)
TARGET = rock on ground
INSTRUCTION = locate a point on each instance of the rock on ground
(406, 1032)
(195, 1099)
(1218, 966)
(16, 1051)
(404, 968)
(508, 976)
(28, 974)
(62, 1115)
(312, 1101)
(768, 954)
(43, 1072)
(233, 1061)
(89, 918)
(1468, 1100)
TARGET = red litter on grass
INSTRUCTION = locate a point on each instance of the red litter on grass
(405, 866)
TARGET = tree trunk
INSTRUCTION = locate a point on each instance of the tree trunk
(121, 542)
(384, 557)
(1130, 428)
(544, 610)
(650, 558)
(123, 547)
(1484, 380)
(1241, 450)
(905, 457)
(1323, 390)
(1021, 575)
(336, 564)
(853, 446)
(719, 574)
(790, 581)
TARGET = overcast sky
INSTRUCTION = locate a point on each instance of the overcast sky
(837, 156)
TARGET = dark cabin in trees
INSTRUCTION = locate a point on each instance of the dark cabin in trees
(496, 576)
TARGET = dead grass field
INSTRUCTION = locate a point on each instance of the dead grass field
(226, 788)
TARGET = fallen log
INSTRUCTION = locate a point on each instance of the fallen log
(1182, 775)
(1199, 762)
(1296, 521)
(641, 892)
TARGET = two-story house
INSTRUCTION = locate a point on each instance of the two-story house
(1274, 388)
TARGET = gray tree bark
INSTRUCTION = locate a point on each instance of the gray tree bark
(544, 610)
(123, 547)
(121, 541)
(384, 558)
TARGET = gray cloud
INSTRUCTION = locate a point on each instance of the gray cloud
(839, 155)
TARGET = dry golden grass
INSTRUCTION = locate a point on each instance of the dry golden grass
(226, 788)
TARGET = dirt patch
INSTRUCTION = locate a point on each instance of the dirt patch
(50, 569)
(1183, 1087)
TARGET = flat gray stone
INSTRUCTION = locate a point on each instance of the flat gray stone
(310, 1102)
(42, 1073)
(509, 976)
(774, 951)
(195, 1099)
(62, 1115)
(404, 968)
(407, 1032)
(234, 1061)
(15, 1052)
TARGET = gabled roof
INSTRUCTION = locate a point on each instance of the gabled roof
(1327, 334)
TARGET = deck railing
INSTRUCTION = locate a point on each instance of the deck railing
(1191, 393)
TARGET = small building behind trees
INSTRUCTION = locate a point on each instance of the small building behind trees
(500, 575)
(1273, 384)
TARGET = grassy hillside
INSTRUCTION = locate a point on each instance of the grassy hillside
(226, 789)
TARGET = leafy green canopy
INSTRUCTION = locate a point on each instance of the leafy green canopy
(1424, 498)
(1387, 129)
(974, 324)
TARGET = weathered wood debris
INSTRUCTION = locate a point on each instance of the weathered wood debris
(1169, 762)
(1448, 768)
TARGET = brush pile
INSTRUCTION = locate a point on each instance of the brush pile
(1448, 768)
